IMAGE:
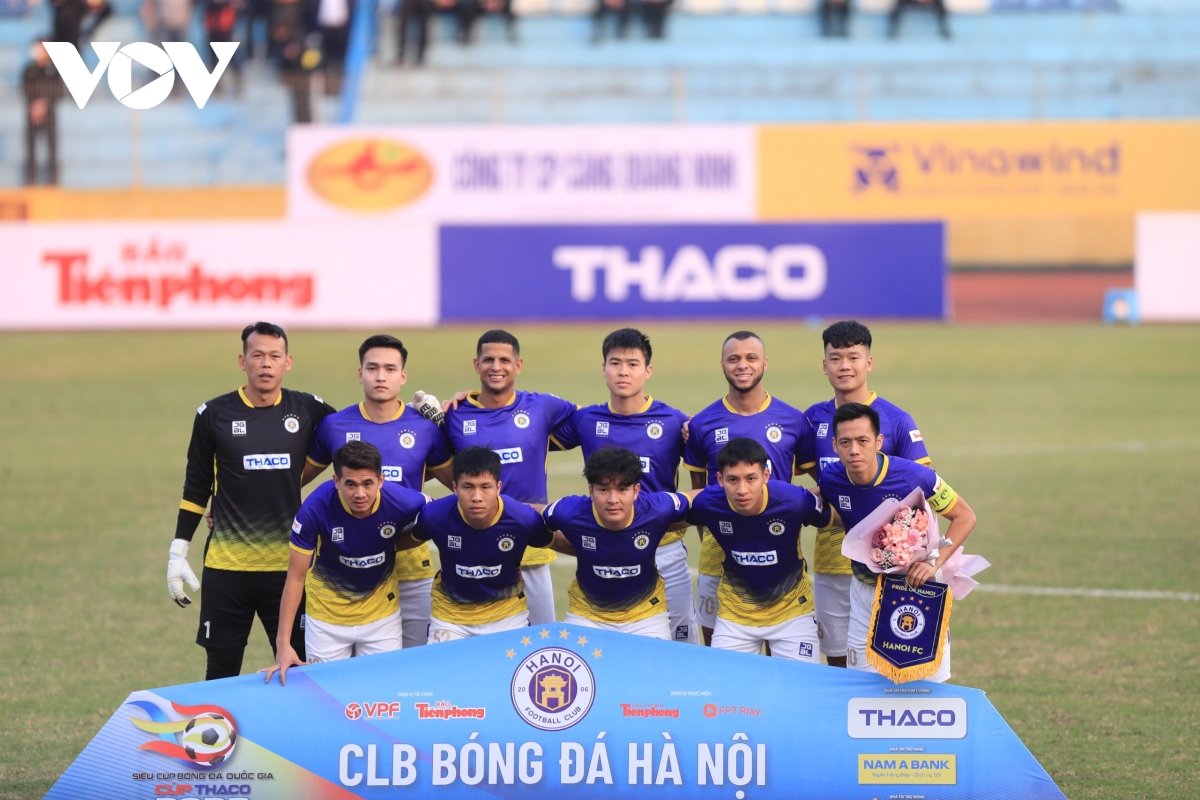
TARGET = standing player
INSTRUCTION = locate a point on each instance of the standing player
(653, 430)
(412, 448)
(349, 590)
(866, 478)
(765, 595)
(846, 364)
(517, 425)
(247, 454)
(746, 411)
(614, 532)
(481, 537)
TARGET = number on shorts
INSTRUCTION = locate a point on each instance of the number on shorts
(441, 635)
(708, 605)
(207, 631)
(852, 656)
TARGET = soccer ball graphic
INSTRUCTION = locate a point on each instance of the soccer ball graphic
(208, 739)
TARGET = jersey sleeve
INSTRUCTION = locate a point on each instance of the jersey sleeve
(542, 536)
(817, 512)
(321, 409)
(675, 506)
(199, 476)
(441, 453)
(319, 452)
(422, 529)
(558, 410)
(304, 529)
(907, 441)
(941, 496)
(566, 435)
(553, 516)
(806, 445)
(694, 457)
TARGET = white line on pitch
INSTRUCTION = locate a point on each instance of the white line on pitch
(1127, 594)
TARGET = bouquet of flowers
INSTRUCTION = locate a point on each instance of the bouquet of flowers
(902, 541)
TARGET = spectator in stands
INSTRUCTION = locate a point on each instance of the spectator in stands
(297, 54)
(70, 14)
(418, 12)
(220, 18)
(42, 89)
(938, 7)
(835, 18)
(471, 10)
(256, 10)
(167, 20)
(654, 15)
(333, 23)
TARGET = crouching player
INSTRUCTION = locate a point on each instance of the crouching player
(866, 478)
(765, 594)
(351, 524)
(614, 533)
(481, 536)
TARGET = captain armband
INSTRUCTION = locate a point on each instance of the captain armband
(943, 498)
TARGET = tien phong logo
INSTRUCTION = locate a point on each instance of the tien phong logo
(165, 61)
(370, 174)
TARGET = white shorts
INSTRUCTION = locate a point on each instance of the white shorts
(442, 631)
(794, 639)
(325, 641)
(862, 600)
(671, 560)
(415, 601)
(706, 600)
(656, 627)
(539, 594)
(832, 594)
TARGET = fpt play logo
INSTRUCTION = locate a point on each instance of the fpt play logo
(165, 61)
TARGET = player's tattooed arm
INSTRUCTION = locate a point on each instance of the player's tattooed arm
(293, 592)
(561, 545)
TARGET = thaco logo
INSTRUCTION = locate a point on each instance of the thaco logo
(172, 57)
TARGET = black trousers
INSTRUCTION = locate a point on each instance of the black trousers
(229, 601)
(48, 131)
(471, 10)
(937, 6)
(415, 12)
(835, 18)
(654, 16)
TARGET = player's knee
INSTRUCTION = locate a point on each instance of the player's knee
(223, 663)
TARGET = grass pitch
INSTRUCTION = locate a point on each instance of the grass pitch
(1067, 441)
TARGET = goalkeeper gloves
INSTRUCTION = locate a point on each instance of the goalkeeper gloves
(178, 571)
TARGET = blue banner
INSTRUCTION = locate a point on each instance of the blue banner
(554, 711)
(554, 272)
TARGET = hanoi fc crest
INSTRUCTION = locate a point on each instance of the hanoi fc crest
(553, 688)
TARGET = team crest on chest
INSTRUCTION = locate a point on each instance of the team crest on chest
(654, 430)
(407, 439)
(641, 541)
(291, 423)
(774, 433)
(506, 543)
(521, 419)
(387, 530)
(776, 527)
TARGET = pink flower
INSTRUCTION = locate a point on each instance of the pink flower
(877, 555)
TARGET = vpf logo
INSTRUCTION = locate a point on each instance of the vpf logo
(553, 689)
(203, 736)
(165, 61)
(876, 168)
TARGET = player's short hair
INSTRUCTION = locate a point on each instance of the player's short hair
(741, 451)
(846, 333)
(742, 336)
(853, 411)
(357, 455)
(263, 329)
(383, 340)
(626, 339)
(613, 465)
(476, 461)
(497, 336)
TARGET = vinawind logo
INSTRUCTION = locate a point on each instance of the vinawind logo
(165, 61)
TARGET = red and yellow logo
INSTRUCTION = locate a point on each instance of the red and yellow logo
(370, 174)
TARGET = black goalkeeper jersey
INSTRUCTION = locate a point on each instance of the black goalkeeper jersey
(249, 460)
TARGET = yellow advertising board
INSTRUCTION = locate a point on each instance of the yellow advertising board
(963, 171)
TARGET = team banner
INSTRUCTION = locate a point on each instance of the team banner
(557, 272)
(558, 711)
(216, 274)
(907, 634)
(960, 170)
(513, 173)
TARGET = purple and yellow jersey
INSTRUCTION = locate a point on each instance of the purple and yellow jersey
(778, 427)
(900, 438)
(410, 445)
(655, 433)
(764, 582)
(480, 580)
(616, 579)
(897, 477)
(520, 434)
(351, 580)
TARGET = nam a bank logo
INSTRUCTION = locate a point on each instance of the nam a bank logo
(165, 61)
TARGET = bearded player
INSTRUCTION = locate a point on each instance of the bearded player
(412, 448)
(846, 364)
(746, 411)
